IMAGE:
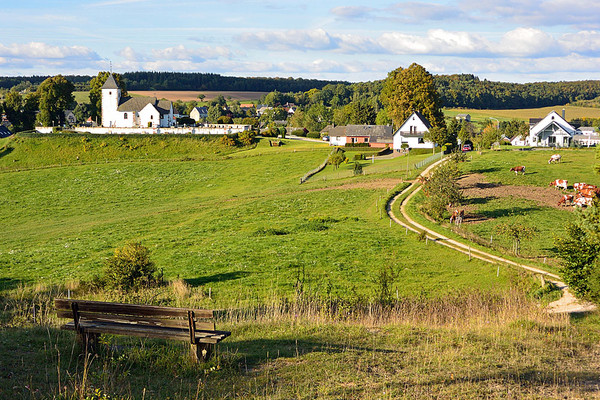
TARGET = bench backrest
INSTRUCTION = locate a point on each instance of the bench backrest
(172, 317)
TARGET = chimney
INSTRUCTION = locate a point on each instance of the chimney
(563, 114)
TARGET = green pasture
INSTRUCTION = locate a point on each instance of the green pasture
(82, 97)
(239, 224)
(524, 114)
(578, 166)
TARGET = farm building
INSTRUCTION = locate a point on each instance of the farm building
(587, 136)
(132, 112)
(412, 133)
(374, 135)
(465, 117)
(551, 131)
(199, 113)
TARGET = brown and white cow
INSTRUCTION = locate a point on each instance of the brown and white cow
(579, 186)
(559, 183)
(582, 201)
(589, 192)
(518, 169)
(566, 200)
(555, 158)
(457, 216)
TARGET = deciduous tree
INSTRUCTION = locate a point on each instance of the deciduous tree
(55, 96)
(412, 89)
(96, 84)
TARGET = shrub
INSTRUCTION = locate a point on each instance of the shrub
(300, 132)
(357, 145)
(313, 135)
(359, 156)
(130, 268)
(358, 170)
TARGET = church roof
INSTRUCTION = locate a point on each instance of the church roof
(110, 83)
(136, 104)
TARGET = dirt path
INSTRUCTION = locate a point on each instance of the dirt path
(566, 304)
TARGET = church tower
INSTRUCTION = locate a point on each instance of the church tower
(111, 94)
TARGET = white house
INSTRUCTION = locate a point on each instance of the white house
(412, 133)
(373, 135)
(199, 113)
(519, 140)
(552, 131)
(133, 112)
(587, 136)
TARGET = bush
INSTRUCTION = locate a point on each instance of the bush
(313, 135)
(357, 145)
(359, 156)
(358, 170)
(415, 152)
(130, 268)
(300, 132)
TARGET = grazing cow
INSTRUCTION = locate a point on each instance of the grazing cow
(566, 200)
(555, 158)
(559, 183)
(457, 216)
(582, 201)
(589, 192)
(518, 169)
(583, 186)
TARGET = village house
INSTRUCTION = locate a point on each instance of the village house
(587, 136)
(199, 113)
(373, 135)
(465, 117)
(412, 133)
(131, 112)
(70, 118)
(551, 131)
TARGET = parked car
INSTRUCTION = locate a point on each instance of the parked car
(326, 138)
(466, 147)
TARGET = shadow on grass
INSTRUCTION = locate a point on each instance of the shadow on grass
(505, 212)
(9, 283)
(257, 350)
(479, 200)
(489, 169)
(6, 151)
(227, 276)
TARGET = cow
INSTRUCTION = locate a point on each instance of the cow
(579, 186)
(555, 158)
(518, 169)
(583, 201)
(559, 183)
(457, 216)
(566, 200)
(589, 192)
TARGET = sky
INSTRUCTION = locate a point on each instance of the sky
(356, 41)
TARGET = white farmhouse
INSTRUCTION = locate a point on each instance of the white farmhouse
(412, 133)
(552, 131)
(133, 112)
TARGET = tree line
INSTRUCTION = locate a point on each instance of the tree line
(459, 90)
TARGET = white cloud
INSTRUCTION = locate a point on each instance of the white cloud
(180, 52)
(528, 42)
(39, 50)
(436, 41)
(303, 40)
(352, 11)
(130, 55)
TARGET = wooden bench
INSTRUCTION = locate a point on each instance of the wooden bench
(92, 318)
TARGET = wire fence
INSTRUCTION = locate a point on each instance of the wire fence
(428, 160)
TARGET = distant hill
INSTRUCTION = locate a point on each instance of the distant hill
(456, 91)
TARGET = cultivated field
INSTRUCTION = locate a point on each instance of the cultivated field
(185, 95)
(571, 112)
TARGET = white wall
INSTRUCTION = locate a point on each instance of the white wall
(337, 140)
(203, 130)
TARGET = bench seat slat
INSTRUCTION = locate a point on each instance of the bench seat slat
(131, 309)
(151, 321)
(210, 336)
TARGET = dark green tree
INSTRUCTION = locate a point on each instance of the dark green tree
(412, 89)
(82, 112)
(579, 248)
(55, 96)
(442, 189)
(213, 114)
(96, 84)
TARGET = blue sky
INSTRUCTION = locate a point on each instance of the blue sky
(506, 40)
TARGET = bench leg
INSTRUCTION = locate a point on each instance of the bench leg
(201, 352)
(89, 341)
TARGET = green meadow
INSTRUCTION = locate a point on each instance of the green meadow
(237, 221)
(323, 296)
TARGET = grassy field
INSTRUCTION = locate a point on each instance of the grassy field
(524, 114)
(491, 211)
(311, 278)
(239, 223)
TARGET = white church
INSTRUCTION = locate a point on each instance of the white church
(133, 112)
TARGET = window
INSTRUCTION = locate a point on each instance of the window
(125, 116)
(421, 140)
(152, 117)
(367, 140)
(109, 93)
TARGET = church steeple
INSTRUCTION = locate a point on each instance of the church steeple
(111, 95)
(110, 83)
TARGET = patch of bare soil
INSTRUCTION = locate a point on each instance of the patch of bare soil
(475, 186)
(374, 184)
